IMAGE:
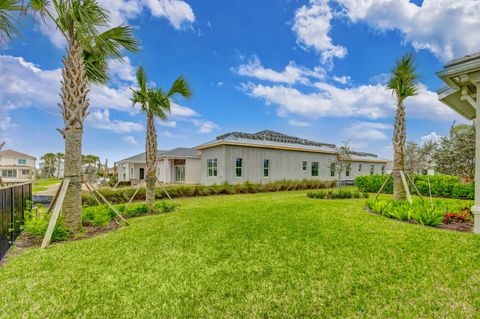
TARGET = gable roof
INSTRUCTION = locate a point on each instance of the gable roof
(15, 154)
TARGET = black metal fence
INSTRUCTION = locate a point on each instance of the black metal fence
(13, 200)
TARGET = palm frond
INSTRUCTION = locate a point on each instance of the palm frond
(180, 86)
(403, 77)
(8, 29)
(159, 103)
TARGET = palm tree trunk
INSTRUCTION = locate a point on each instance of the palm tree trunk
(399, 138)
(74, 108)
(151, 159)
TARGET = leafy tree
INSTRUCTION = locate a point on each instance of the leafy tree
(403, 84)
(154, 102)
(343, 162)
(89, 43)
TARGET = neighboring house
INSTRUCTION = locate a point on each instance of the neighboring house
(179, 165)
(261, 157)
(269, 156)
(58, 171)
(16, 167)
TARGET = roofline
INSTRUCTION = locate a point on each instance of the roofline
(201, 147)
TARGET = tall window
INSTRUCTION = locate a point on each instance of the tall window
(266, 168)
(332, 169)
(383, 169)
(347, 169)
(304, 166)
(372, 169)
(212, 167)
(359, 167)
(314, 168)
(12, 173)
(238, 167)
(131, 172)
(22, 161)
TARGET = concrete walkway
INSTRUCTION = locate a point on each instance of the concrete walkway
(50, 191)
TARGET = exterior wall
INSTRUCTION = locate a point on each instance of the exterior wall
(12, 164)
(193, 169)
(284, 165)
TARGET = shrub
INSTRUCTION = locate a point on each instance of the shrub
(428, 216)
(336, 194)
(441, 185)
(36, 224)
(463, 216)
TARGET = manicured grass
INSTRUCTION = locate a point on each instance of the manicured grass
(272, 255)
(42, 184)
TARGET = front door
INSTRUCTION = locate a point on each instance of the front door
(142, 173)
(179, 173)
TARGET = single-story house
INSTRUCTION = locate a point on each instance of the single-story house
(258, 158)
(179, 165)
(16, 167)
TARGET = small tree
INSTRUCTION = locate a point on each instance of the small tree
(343, 161)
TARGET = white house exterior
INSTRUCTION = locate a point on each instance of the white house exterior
(269, 156)
(262, 157)
(179, 165)
(16, 167)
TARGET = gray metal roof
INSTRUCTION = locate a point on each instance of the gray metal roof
(180, 152)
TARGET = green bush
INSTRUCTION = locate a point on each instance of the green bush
(123, 195)
(36, 224)
(336, 194)
(441, 185)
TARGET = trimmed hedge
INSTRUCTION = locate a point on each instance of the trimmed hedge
(441, 185)
(123, 195)
(336, 194)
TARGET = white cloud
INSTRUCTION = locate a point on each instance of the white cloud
(101, 119)
(130, 140)
(312, 26)
(443, 27)
(169, 134)
(368, 101)
(177, 12)
(432, 137)
(167, 123)
(204, 126)
(121, 70)
(368, 130)
(341, 79)
(290, 75)
(299, 123)
(177, 111)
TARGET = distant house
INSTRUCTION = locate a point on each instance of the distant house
(57, 168)
(258, 158)
(179, 165)
(16, 167)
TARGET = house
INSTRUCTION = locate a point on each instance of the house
(179, 165)
(258, 158)
(16, 167)
(271, 156)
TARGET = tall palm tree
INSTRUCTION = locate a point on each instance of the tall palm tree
(87, 49)
(154, 102)
(404, 83)
(7, 20)
(59, 157)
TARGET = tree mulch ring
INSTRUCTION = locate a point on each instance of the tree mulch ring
(26, 240)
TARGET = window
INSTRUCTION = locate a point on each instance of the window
(131, 172)
(314, 168)
(372, 169)
(347, 169)
(25, 172)
(266, 168)
(212, 167)
(9, 173)
(383, 169)
(332, 169)
(359, 167)
(22, 161)
(304, 166)
(238, 167)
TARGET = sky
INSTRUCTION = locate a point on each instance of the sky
(315, 69)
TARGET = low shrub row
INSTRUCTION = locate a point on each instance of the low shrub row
(441, 185)
(37, 219)
(123, 195)
(336, 194)
(423, 212)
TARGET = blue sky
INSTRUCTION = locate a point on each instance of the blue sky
(314, 69)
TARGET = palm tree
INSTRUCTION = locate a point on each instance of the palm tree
(7, 21)
(87, 50)
(59, 158)
(404, 83)
(154, 102)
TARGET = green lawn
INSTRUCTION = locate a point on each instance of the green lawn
(274, 255)
(42, 184)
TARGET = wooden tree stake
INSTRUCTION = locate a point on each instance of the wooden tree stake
(161, 185)
(407, 190)
(383, 186)
(108, 203)
(56, 213)
(134, 194)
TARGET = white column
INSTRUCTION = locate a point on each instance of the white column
(166, 168)
(476, 207)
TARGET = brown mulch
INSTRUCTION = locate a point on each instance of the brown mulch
(460, 227)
